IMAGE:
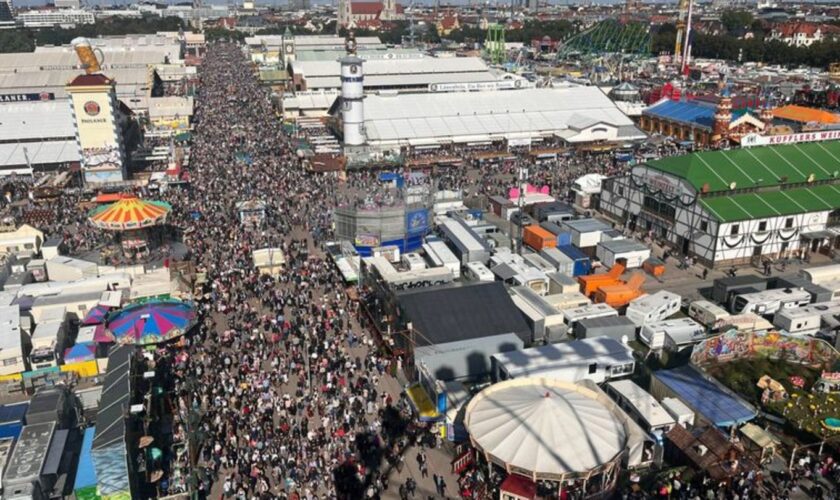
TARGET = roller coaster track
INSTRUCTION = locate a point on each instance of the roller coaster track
(609, 36)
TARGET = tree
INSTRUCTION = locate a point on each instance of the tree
(16, 41)
(735, 21)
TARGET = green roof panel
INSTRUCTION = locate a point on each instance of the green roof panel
(755, 167)
(773, 203)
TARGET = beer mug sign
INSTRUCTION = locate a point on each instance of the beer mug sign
(87, 55)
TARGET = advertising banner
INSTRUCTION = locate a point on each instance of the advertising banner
(417, 221)
(39, 96)
(98, 140)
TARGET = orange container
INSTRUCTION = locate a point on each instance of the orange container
(620, 295)
(538, 238)
(591, 282)
(654, 267)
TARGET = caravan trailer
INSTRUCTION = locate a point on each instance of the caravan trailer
(822, 274)
(572, 316)
(768, 302)
(674, 333)
(656, 307)
(706, 313)
(806, 320)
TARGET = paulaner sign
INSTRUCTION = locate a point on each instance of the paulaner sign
(42, 96)
(750, 140)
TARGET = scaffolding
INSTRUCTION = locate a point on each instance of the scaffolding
(494, 44)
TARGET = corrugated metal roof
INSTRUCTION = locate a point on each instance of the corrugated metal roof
(398, 67)
(67, 59)
(36, 120)
(40, 153)
(403, 80)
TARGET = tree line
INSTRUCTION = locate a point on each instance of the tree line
(26, 39)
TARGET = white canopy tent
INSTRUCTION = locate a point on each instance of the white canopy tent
(546, 429)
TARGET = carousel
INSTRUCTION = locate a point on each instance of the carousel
(136, 223)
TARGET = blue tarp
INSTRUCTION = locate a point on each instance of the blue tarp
(706, 397)
(11, 419)
(688, 112)
(86, 474)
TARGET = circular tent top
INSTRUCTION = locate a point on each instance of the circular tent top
(129, 213)
(544, 429)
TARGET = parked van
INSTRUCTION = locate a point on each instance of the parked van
(656, 307)
(768, 302)
(706, 313)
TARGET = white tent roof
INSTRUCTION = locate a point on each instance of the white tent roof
(490, 114)
(544, 428)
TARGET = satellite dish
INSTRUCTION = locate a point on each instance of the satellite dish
(733, 184)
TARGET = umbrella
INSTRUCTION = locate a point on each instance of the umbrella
(151, 322)
(96, 315)
(129, 213)
(80, 352)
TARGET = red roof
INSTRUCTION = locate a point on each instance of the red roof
(449, 22)
(520, 486)
(791, 29)
(366, 8)
(369, 23)
(88, 80)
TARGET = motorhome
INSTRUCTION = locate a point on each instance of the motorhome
(747, 322)
(807, 320)
(476, 271)
(706, 313)
(672, 334)
(768, 302)
(655, 307)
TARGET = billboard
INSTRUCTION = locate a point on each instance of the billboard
(96, 129)
(417, 221)
(750, 140)
(40, 96)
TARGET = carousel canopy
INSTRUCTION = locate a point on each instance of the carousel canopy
(129, 213)
(152, 322)
(543, 428)
(80, 352)
(96, 315)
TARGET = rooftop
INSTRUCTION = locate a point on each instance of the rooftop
(690, 112)
(803, 114)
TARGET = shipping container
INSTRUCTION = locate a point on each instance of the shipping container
(612, 235)
(655, 307)
(563, 235)
(723, 288)
(621, 294)
(439, 255)
(538, 238)
(582, 263)
(586, 232)
(562, 263)
(590, 283)
(553, 211)
(633, 253)
(536, 261)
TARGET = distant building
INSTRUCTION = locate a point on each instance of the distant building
(7, 18)
(351, 13)
(798, 34)
(68, 4)
(50, 18)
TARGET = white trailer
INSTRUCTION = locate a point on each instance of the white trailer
(536, 261)
(572, 316)
(642, 407)
(805, 320)
(12, 359)
(651, 308)
(768, 302)
(476, 271)
(672, 333)
(562, 283)
(707, 313)
(439, 255)
(822, 274)
(413, 261)
(635, 253)
(45, 341)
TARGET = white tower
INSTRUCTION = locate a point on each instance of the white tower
(352, 96)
